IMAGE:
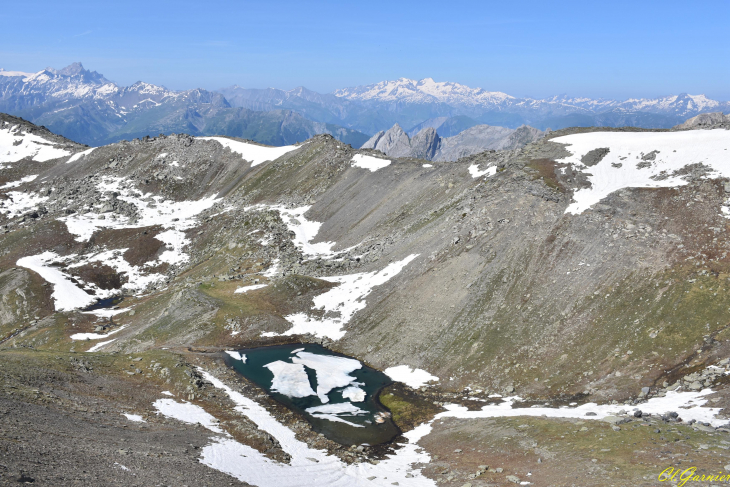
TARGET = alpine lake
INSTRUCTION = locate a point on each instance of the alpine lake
(335, 393)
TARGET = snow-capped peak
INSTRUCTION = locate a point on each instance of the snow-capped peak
(423, 91)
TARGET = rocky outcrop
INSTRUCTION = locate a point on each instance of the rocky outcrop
(427, 144)
(705, 120)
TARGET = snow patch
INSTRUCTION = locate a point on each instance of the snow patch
(369, 162)
(66, 295)
(626, 164)
(476, 173)
(414, 378)
(246, 289)
(187, 413)
(345, 299)
(15, 184)
(134, 417)
(95, 336)
(255, 154)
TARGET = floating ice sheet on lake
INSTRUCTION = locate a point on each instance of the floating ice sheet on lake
(332, 371)
(333, 412)
(290, 379)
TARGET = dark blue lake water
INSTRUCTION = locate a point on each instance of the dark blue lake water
(335, 393)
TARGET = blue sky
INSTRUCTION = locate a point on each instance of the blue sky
(616, 49)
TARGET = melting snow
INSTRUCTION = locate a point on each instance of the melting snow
(28, 145)
(290, 379)
(19, 202)
(308, 467)
(66, 294)
(369, 162)
(345, 299)
(332, 412)
(354, 394)
(134, 417)
(332, 371)
(98, 346)
(252, 287)
(304, 230)
(79, 155)
(623, 166)
(15, 184)
(414, 378)
(95, 336)
(687, 404)
(256, 154)
(476, 173)
(187, 413)
(152, 210)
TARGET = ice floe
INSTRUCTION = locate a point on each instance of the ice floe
(332, 371)
(290, 379)
(411, 377)
(369, 162)
(643, 160)
(255, 154)
(237, 355)
(334, 412)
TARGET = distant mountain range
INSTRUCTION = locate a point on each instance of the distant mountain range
(85, 106)
(411, 103)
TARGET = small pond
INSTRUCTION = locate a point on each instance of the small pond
(104, 303)
(335, 393)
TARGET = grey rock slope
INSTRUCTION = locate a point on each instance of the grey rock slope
(427, 144)
(85, 106)
(706, 120)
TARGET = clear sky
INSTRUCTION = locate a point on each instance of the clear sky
(616, 49)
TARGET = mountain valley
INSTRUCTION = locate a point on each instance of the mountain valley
(550, 309)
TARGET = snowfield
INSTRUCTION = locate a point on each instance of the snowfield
(310, 467)
(414, 378)
(369, 162)
(16, 145)
(643, 160)
(476, 173)
(345, 299)
(255, 154)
